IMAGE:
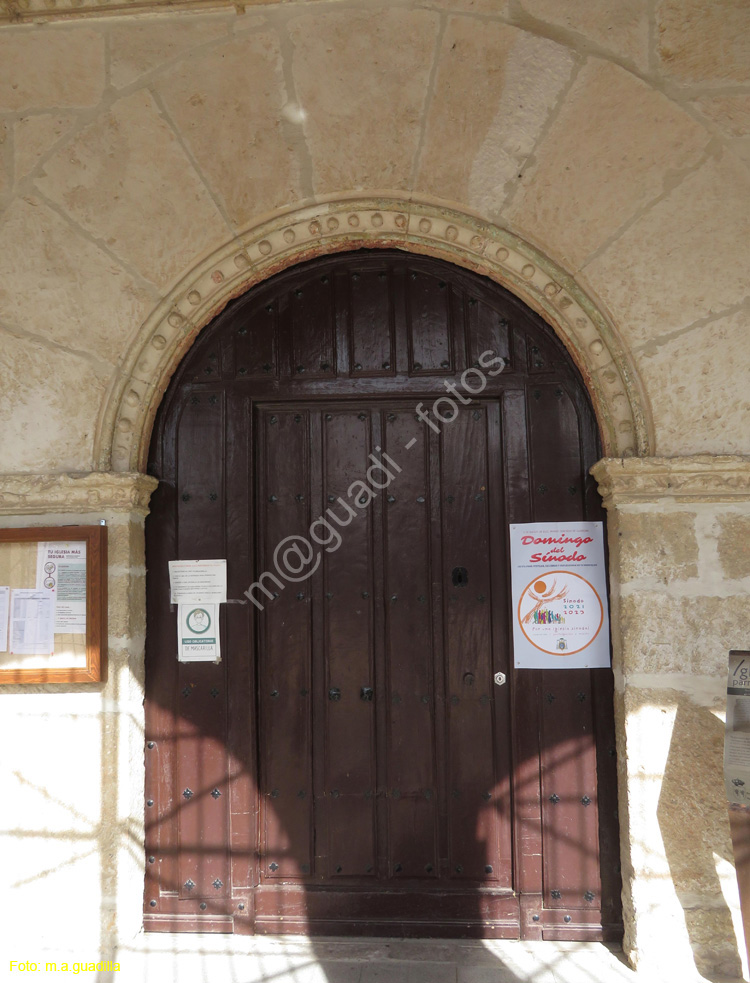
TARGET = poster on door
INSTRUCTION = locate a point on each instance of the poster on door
(559, 588)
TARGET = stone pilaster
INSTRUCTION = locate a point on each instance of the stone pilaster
(678, 531)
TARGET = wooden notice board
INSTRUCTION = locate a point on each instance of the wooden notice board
(53, 604)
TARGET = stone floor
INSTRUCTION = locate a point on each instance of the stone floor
(226, 959)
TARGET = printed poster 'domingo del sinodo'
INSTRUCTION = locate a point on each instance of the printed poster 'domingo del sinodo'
(560, 611)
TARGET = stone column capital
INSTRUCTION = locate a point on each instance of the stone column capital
(677, 480)
(94, 491)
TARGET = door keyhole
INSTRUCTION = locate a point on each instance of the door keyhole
(460, 577)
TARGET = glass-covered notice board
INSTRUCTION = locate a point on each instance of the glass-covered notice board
(53, 604)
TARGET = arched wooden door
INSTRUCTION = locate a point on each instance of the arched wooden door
(351, 766)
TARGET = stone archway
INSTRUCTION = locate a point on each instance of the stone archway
(289, 238)
(126, 420)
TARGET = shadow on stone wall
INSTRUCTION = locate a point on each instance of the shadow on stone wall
(692, 799)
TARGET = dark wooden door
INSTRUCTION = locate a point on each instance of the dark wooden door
(385, 745)
(352, 766)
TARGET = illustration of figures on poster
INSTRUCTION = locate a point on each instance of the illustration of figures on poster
(560, 611)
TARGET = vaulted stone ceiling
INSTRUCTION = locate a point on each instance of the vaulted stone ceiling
(613, 137)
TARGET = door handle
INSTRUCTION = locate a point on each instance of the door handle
(499, 678)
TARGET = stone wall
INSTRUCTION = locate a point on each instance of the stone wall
(679, 542)
(612, 137)
(607, 143)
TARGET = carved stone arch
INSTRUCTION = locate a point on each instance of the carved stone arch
(259, 252)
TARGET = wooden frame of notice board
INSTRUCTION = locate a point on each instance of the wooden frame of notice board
(53, 604)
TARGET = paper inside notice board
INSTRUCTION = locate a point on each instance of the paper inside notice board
(26, 645)
(32, 622)
(4, 610)
(61, 571)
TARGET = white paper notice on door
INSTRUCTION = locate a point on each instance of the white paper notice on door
(32, 622)
(61, 572)
(560, 610)
(198, 580)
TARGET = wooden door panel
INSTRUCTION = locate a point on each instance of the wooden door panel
(527, 806)
(555, 438)
(569, 793)
(402, 914)
(410, 706)
(348, 610)
(487, 331)
(236, 691)
(311, 315)
(567, 737)
(371, 352)
(199, 793)
(255, 355)
(469, 660)
(429, 323)
(284, 640)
